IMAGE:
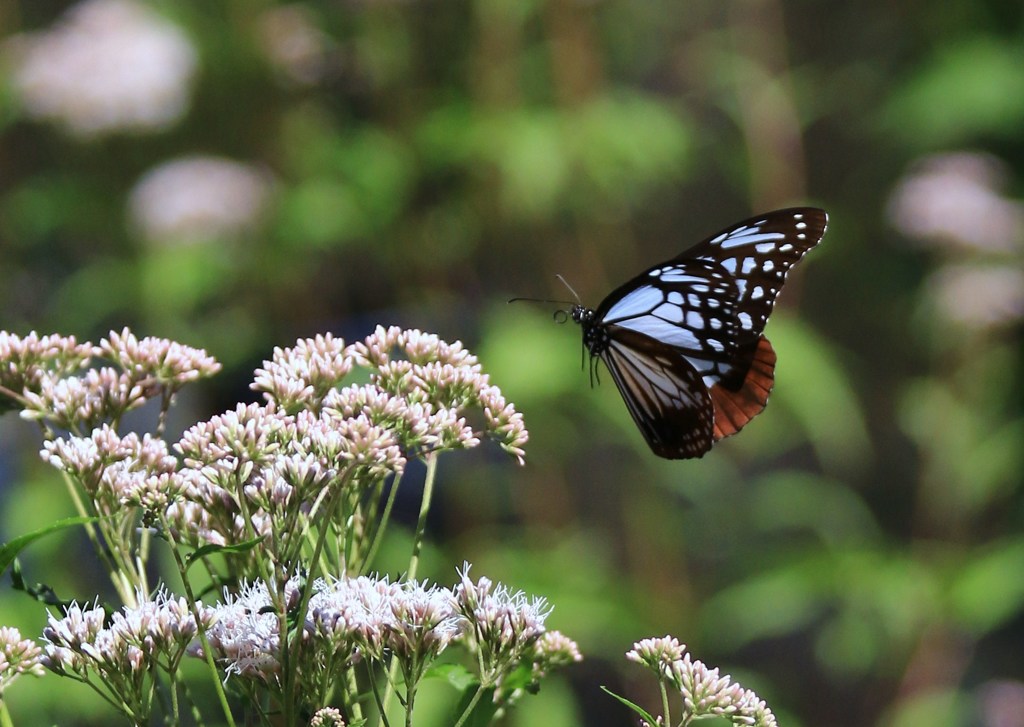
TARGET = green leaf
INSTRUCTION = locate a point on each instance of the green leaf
(9, 551)
(976, 82)
(636, 708)
(455, 674)
(985, 594)
(212, 548)
(44, 593)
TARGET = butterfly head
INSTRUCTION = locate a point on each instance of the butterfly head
(582, 315)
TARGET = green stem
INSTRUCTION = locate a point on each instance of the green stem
(471, 706)
(664, 702)
(116, 576)
(207, 650)
(414, 561)
(307, 592)
(385, 517)
(421, 524)
(352, 694)
(376, 696)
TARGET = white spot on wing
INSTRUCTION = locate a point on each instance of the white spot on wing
(746, 321)
(663, 331)
(635, 303)
(671, 313)
(748, 237)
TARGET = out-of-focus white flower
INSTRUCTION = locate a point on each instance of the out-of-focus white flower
(954, 200)
(17, 656)
(978, 296)
(198, 198)
(1001, 702)
(296, 47)
(106, 66)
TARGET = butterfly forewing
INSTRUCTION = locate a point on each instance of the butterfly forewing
(757, 254)
(689, 306)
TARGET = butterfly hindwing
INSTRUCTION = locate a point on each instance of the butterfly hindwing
(734, 407)
(663, 392)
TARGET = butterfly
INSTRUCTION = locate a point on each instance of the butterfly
(684, 340)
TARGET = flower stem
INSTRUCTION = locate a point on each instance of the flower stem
(664, 702)
(471, 706)
(414, 561)
(421, 524)
(207, 650)
(378, 536)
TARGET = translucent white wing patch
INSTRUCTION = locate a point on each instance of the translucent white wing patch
(689, 307)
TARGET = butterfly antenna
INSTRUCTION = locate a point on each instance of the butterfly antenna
(540, 300)
(566, 284)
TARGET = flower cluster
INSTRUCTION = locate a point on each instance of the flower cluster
(704, 691)
(245, 637)
(39, 374)
(167, 363)
(26, 362)
(117, 471)
(505, 625)
(155, 632)
(302, 483)
(107, 65)
(409, 619)
(17, 656)
(327, 717)
(301, 376)
(371, 618)
(421, 389)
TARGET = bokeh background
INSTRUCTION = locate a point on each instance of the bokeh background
(235, 174)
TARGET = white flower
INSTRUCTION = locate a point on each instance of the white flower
(704, 690)
(244, 636)
(194, 199)
(954, 199)
(978, 296)
(17, 656)
(107, 65)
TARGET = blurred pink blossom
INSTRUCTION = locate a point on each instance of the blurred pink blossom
(106, 66)
(978, 296)
(294, 44)
(198, 198)
(954, 200)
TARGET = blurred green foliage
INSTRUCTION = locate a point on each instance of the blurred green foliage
(855, 556)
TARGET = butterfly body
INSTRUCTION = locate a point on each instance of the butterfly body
(683, 340)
